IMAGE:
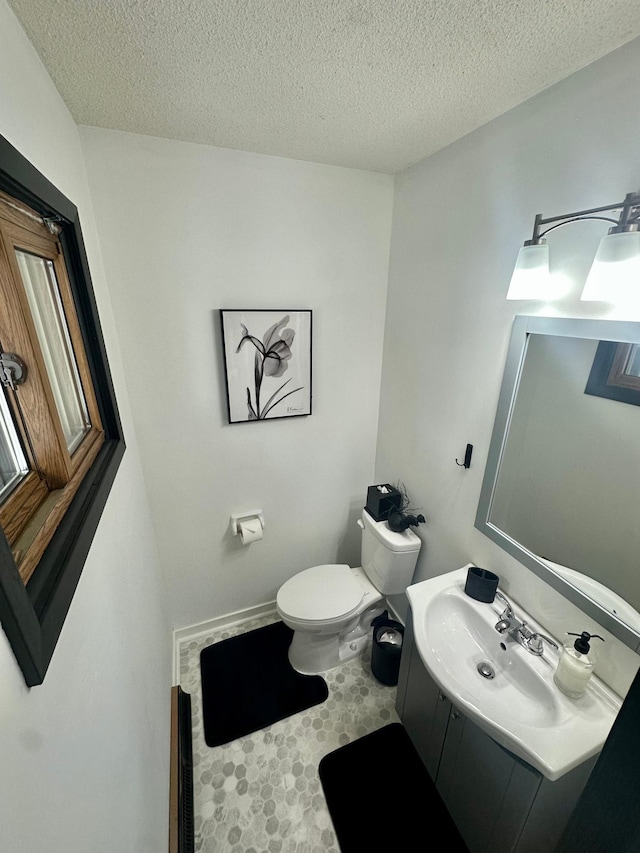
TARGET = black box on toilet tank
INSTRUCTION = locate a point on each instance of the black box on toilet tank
(382, 500)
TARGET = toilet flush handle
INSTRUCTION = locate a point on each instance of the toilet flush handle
(360, 523)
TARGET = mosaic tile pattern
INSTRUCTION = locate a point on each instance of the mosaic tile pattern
(262, 793)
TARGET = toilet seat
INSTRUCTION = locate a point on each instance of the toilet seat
(320, 594)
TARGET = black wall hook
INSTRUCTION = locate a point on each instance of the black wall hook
(467, 457)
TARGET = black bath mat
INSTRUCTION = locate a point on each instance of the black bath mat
(380, 796)
(248, 683)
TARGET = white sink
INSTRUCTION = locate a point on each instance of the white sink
(520, 707)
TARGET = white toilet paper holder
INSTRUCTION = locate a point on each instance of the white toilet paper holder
(238, 517)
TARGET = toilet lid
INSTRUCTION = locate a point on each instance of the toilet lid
(320, 593)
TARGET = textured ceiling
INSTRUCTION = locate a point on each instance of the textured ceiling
(371, 84)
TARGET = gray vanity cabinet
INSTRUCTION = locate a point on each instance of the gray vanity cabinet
(497, 801)
(421, 706)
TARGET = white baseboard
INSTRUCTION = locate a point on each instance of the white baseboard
(192, 632)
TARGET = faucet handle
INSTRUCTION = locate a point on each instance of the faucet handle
(536, 645)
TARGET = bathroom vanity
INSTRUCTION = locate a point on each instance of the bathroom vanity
(497, 800)
(508, 752)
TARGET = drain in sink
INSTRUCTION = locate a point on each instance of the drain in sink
(485, 669)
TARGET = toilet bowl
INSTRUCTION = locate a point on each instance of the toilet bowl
(330, 607)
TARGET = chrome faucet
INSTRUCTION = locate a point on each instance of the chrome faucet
(532, 641)
(508, 609)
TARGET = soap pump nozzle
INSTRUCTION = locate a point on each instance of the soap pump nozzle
(582, 643)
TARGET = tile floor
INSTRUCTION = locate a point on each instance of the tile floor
(262, 793)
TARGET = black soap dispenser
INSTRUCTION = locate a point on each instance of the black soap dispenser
(575, 666)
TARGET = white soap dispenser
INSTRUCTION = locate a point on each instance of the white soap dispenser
(575, 666)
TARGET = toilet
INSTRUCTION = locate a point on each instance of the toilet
(330, 607)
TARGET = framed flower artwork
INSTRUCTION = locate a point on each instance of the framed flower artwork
(267, 359)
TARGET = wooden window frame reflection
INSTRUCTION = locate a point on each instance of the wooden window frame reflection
(607, 377)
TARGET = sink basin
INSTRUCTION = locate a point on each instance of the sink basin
(519, 705)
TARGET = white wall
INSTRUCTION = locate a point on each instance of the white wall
(188, 229)
(459, 219)
(85, 756)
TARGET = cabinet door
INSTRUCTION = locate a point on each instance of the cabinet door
(423, 709)
(474, 780)
(552, 809)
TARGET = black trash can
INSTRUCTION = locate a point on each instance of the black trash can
(386, 649)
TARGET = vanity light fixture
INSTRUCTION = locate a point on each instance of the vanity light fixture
(615, 272)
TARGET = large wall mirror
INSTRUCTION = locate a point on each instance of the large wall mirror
(561, 490)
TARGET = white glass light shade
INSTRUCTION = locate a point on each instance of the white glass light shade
(531, 278)
(615, 272)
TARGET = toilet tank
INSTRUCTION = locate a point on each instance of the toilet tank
(388, 558)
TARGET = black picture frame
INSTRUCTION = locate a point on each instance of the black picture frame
(32, 615)
(267, 363)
